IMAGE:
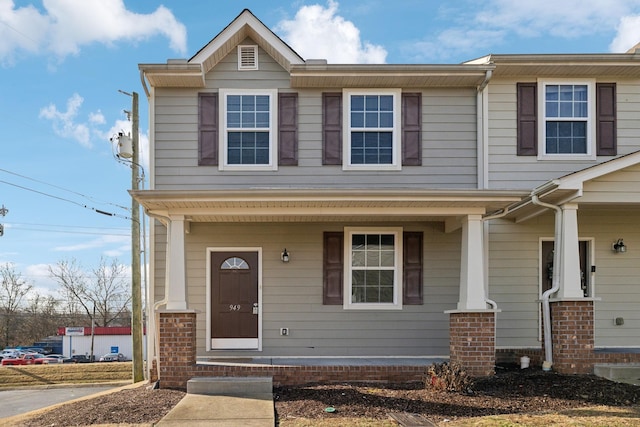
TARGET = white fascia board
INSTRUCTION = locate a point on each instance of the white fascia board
(246, 18)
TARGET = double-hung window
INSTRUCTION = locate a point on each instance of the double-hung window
(568, 126)
(372, 131)
(373, 273)
(249, 138)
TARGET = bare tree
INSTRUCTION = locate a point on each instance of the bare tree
(41, 318)
(71, 278)
(13, 289)
(111, 292)
(103, 296)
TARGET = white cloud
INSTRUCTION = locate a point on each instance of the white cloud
(628, 34)
(100, 242)
(567, 18)
(65, 124)
(67, 25)
(97, 118)
(483, 24)
(317, 32)
(43, 284)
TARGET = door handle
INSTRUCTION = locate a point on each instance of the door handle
(255, 308)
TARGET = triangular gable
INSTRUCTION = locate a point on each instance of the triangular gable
(245, 25)
(576, 180)
(616, 181)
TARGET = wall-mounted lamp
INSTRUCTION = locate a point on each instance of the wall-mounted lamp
(619, 247)
(284, 256)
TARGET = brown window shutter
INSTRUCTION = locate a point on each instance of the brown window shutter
(527, 114)
(332, 128)
(207, 129)
(333, 266)
(288, 129)
(606, 119)
(412, 129)
(412, 268)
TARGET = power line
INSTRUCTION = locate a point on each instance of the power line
(41, 230)
(19, 32)
(67, 200)
(66, 189)
(70, 226)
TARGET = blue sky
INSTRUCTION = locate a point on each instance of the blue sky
(62, 63)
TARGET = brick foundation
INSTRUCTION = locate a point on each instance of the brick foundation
(472, 345)
(178, 362)
(472, 338)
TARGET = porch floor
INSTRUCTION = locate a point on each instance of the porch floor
(322, 361)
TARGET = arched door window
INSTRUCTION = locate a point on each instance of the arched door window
(234, 263)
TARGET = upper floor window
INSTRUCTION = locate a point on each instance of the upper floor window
(372, 130)
(249, 137)
(568, 125)
(374, 268)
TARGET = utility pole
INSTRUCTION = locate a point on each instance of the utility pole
(3, 212)
(136, 291)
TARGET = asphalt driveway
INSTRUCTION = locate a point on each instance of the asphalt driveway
(20, 401)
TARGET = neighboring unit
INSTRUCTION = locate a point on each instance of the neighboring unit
(307, 210)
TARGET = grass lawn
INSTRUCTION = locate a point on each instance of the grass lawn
(64, 373)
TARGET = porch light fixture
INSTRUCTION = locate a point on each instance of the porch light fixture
(284, 256)
(619, 247)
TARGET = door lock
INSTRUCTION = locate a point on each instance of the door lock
(255, 308)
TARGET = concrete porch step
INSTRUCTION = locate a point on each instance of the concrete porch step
(230, 386)
(620, 372)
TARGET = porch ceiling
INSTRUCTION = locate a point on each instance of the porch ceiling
(315, 205)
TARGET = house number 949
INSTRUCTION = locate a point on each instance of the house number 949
(234, 307)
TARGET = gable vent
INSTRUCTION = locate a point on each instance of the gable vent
(247, 57)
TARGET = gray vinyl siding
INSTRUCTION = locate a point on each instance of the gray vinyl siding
(514, 276)
(292, 293)
(509, 171)
(448, 139)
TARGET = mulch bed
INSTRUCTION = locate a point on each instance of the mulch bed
(510, 391)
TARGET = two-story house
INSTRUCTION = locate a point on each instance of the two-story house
(466, 212)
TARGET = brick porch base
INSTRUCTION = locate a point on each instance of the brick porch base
(178, 362)
(472, 337)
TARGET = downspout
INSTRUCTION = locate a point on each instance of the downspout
(482, 126)
(144, 84)
(152, 324)
(546, 309)
(485, 220)
(482, 114)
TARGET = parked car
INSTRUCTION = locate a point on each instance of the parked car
(77, 358)
(55, 358)
(113, 357)
(8, 353)
(26, 359)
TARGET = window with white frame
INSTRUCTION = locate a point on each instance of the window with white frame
(567, 128)
(248, 140)
(373, 268)
(372, 131)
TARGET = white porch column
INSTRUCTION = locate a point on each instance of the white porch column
(570, 254)
(176, 287)
(472, 289)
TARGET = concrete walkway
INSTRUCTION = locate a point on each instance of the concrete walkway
(196, 410)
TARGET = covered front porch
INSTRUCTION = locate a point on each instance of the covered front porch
(456, 215)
